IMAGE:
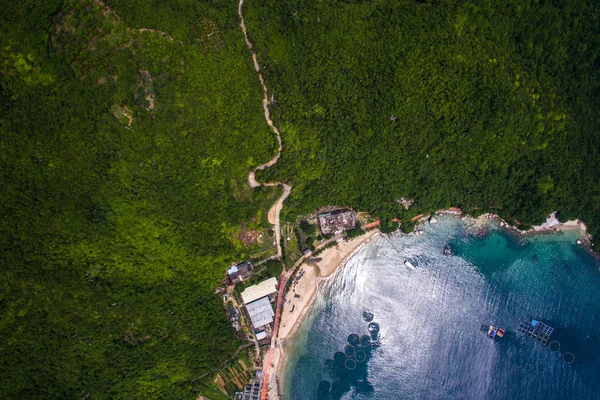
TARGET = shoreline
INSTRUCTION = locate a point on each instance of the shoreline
(560, 228)
(311, 273)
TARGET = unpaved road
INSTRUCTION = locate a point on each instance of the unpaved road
(287, 189)
(275, 211)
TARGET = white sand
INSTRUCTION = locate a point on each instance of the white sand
(306, 287)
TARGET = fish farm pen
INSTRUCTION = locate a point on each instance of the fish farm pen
(535, 330)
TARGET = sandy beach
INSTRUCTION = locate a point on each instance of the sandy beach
(305, 284)
(304, 288)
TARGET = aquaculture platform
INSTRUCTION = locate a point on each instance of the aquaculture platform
(536, 330)
(494, 332)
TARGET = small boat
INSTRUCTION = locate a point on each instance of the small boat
(409, 264)
(447, 250)
(495, 331)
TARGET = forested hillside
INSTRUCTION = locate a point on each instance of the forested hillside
(126, 136)
(477, 104)
(127, 129)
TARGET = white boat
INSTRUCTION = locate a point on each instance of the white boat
(409, 264)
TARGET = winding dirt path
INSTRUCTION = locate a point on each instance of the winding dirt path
(287, 189)
(275, 210)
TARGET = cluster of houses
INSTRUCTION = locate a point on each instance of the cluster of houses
(252, 390)
(257, 300)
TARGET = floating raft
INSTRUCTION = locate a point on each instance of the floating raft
(494, 332)
(536, 330)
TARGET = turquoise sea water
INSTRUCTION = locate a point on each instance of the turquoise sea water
(430, 344)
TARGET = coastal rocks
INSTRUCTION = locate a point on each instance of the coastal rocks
(454, 211)
(447, 250)
(552, 222)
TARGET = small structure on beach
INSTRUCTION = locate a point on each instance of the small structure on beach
(336, 221)
(238, 273)
(372, 225)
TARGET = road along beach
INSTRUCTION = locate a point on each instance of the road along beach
(303, 290)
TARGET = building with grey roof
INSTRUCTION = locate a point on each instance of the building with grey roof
(260, 312)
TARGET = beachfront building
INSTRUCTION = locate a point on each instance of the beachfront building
(255, 292)
(238, 273)
(260, 312)
(336, 221)
(257, 299)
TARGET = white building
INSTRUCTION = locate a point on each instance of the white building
(261, 335)
(263, 289)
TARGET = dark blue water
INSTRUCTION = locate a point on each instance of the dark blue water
(430, 344)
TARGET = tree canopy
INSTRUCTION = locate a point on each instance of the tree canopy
(454, 103)
(127, 130)
(126, 136)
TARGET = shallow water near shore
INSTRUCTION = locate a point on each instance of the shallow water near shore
(430, 344)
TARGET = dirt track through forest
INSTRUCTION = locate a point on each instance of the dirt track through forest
(287, 189)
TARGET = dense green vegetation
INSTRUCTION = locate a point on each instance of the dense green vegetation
(126, 136)
(114, 232)
(455, 103)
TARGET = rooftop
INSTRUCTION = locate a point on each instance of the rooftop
(336, 221)
(239, 272)
(260, 312)
(263, 289)
(261, 335)
(232, 270)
